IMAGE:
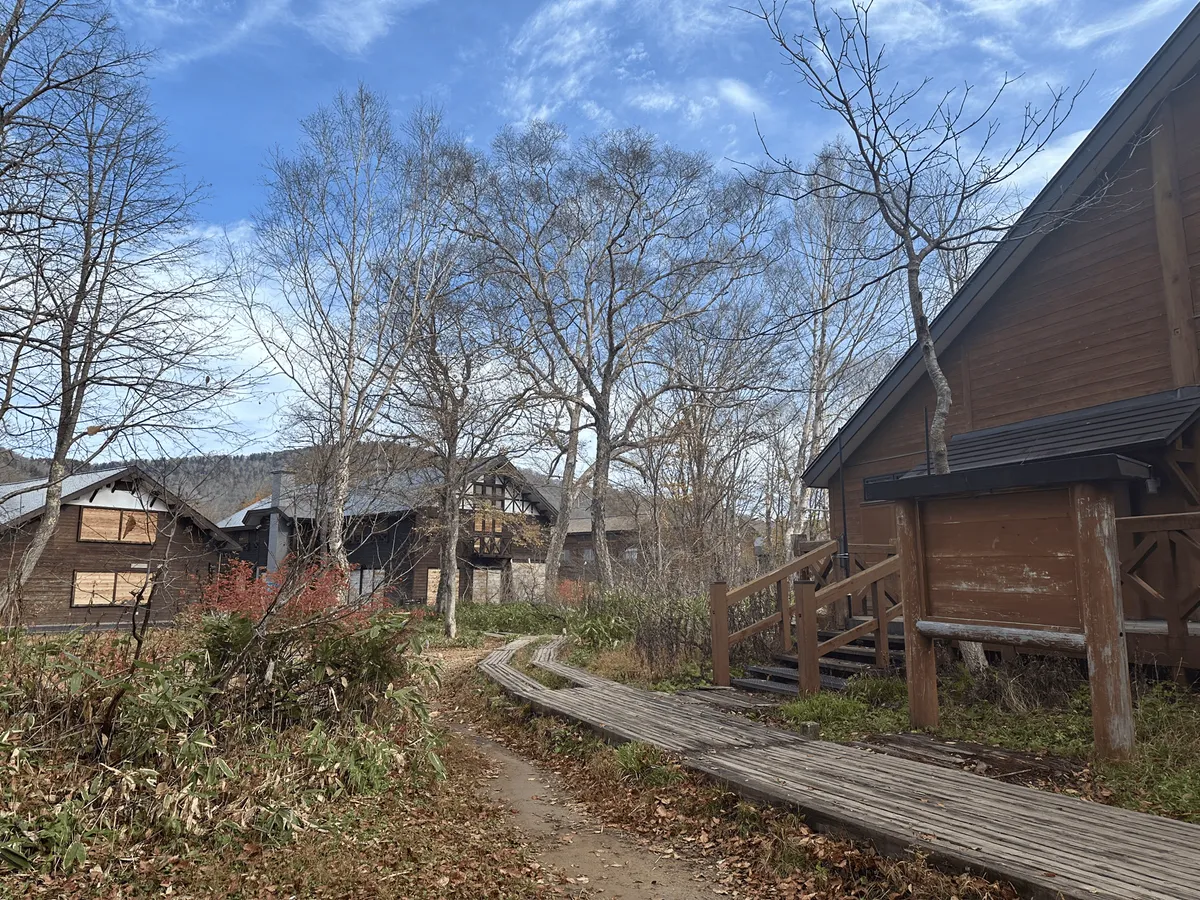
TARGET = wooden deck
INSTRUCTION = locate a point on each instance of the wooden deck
(1048, 845)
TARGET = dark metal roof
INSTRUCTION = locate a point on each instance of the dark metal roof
(1037, 474)
(1151, 421)
(1173, 61)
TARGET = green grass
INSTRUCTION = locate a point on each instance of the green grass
(1163, 777)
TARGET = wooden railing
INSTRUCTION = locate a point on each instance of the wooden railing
(1161, 563)
(819, 568)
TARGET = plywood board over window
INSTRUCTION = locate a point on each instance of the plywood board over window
(434, 578)
(108, 588)
(125, 526)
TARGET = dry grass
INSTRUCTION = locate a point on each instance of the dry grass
(445, 842)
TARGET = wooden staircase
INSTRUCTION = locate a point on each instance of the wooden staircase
(781, 675)
(807, 658)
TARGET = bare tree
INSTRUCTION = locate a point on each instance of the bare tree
(847, 317)
(602, 245)
(121, 347)
(324, 292)
(927, 162)
(51, 53)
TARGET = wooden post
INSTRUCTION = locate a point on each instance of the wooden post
(883, 659)
(808, 665)
(718, 608)
(1099, 576)
(1173, 251)
(919, 661)
(785, 617)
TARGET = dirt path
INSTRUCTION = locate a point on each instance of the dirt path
(601, 862)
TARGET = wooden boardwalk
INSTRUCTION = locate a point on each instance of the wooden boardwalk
(1048, 845)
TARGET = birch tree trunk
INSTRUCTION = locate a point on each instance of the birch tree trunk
(561, 526)
(600, 485)
(447, 596)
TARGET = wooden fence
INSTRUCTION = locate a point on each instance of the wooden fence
(801, 589)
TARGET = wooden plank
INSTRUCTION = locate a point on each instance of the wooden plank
(764, 582)
(1094, 516)
(1173, 251)
(858, 581)
(1034, 638)
(758, 627)
(1045, 844)
(919, 660)
(1167, 522)
(853, 634)
(719, 614)
(98, 524)
(997, 508)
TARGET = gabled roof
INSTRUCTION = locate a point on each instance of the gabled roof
(24, 500)
(1168, 67)
(1137, 424)
(397, 492)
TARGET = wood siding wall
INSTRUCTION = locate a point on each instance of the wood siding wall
(1082, 321)
(47, 596)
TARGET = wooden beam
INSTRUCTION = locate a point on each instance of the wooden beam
(1186, 483)
(858, 581)
(853, 634)
(1167, 522)
(919, 661)
(758, 627)
(1099, 575)
(1033, 638)
(718, 608)
(764, 582)
(1173, 251)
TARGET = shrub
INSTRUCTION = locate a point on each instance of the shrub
(238, 722)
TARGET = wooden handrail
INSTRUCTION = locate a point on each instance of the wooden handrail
(853, 634)
(764, 582)
(856, 582)
(808, 600)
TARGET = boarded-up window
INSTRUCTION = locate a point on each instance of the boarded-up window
(107, 588)
(487, 586)
(126, 526)
(433, 579)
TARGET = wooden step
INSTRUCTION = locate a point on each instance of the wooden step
(828, 683)
(895, 641)
(842, 668)
(849, 653)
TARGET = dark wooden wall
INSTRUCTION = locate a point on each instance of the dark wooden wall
(47, 596)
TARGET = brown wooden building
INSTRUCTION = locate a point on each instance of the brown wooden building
(1069, 341)
(392, 525)
(120, 533)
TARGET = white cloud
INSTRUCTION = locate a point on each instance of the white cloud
(1007, 12)
(352, 25)
(190, 30)
(1039, 170)
(740, 95)
(656, 98)
(1076, 37)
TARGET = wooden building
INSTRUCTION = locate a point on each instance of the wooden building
(1070, 341)
(120, 533)
(392, 525)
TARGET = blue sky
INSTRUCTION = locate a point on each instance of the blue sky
(233, 77)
